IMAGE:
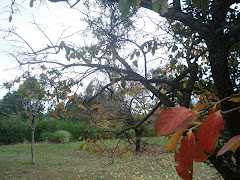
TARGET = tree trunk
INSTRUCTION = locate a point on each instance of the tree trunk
(138, 134)
(32, 145)
(218, 52)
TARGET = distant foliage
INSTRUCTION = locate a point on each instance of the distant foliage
(46, 136)
(14, 133)
(61, 136)
(17, 133)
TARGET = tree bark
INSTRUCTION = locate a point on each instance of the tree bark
(218, 52)
(32, 143)
(138, 134)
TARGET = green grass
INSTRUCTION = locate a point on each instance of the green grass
(67, 161)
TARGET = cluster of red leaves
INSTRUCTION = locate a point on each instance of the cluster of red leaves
(197, 145)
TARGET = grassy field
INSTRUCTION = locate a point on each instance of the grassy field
(67, 161)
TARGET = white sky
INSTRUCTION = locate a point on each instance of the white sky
(52, 16)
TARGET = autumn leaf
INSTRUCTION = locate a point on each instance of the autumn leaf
(173, 141)
(207, 135)
(113, 81)
(82, 107)
(232, 144)
(173, 119)
(138, 2)
(162, 91)
(73, 55)
(8, 86)
(185, 157)
(199, 107)
(235, 99)
(75, 95)
(213, 110)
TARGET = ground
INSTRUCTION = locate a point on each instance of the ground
(67, 161)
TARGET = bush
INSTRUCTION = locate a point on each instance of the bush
(17, 133)
(61, 136)
(46, 125)
(14, 133)
(46, 136)
(149, 131)
(76, 129)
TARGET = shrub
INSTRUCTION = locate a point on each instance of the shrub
(46, 136)
(149, 131)
(14, 133)
(61, 136)
(49, 125)
(17, 133)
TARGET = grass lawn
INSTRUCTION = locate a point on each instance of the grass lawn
(67, 161)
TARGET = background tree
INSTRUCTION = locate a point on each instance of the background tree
(29, 97)
(33, 98)
(11, 104)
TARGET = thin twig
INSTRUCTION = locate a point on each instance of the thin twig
(230, 110)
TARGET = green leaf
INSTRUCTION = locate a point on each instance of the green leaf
(87, 61)
(131, 56)
(188, 2)
(123, 83)
(10, 18)
(31, 3)
(156, 5)
(197, 3)
(174, 48)
(135, 63)
(125, 12)
(204, 6)
(62, 45)
(138, 53)
(164, 7)
(149, 46)
(122, 4)
(124, 7)
(155, 44)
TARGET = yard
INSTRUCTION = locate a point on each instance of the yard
(68, 161)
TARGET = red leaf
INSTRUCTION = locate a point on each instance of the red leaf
(185, 157)
(173, 119)
(199, 107)
(207, 135)
(213, 110)
(233, 141)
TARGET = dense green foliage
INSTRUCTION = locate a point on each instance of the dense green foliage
(16, 133)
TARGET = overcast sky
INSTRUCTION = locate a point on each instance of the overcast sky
(51, 15)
